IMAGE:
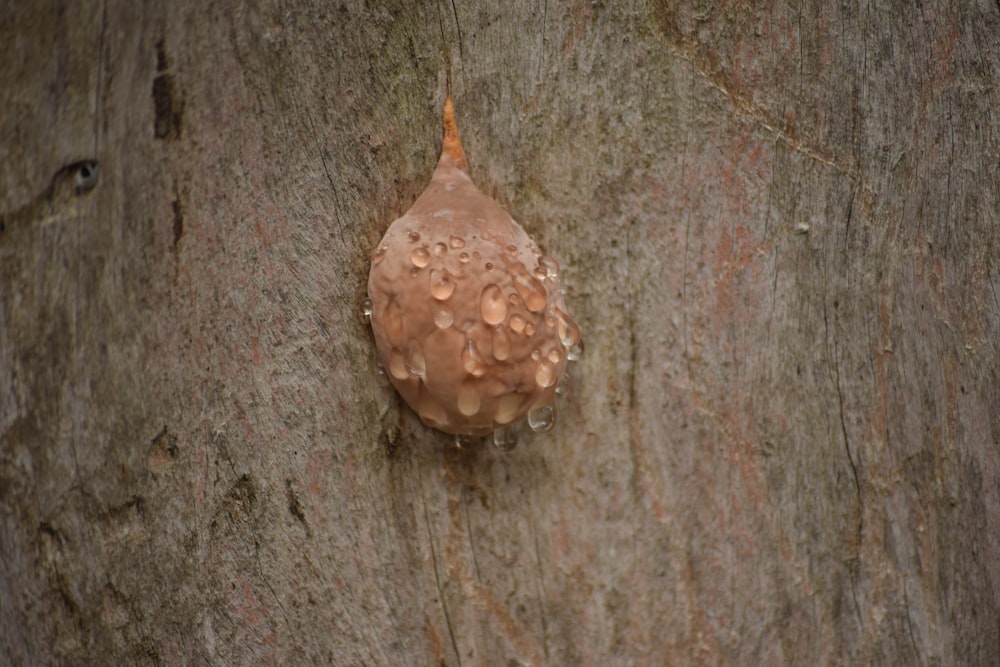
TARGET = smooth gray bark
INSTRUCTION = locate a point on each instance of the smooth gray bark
(779, 234)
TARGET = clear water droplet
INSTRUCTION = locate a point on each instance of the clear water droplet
(508, 408)
(505, 437)
(514, 299)
(415, 362)
(562, 385)
(378, 254)
(488, 266)
(545, 373)
(397, 365)
(456, 242)
(492, 305)
(476, 256)
(440, 249)
(568, 332)
(367, 308)
(541, 420)
(549, 265)
(517, 323)
(380, 377)
(463, 258)
(512, 249)
(413, 235)
(554, 356)
(444, 318)
(442, 284)
(469, 400)
(536, 355)
(462, 441)
(472, 361)
(429, 409)
(540, 273)
(575, 351)
(420, 257)
(529, 329)
(392, 321)
(530, 289)
(501, 343)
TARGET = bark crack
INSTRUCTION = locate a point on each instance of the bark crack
(468, 530)
(541, 592)
(437, 581)
(850, 460)
(326, 168)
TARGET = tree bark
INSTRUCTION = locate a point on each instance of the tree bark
(779, 233)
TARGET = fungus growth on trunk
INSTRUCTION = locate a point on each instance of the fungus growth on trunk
(467, 313)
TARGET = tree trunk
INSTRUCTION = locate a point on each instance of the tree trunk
(779, 233)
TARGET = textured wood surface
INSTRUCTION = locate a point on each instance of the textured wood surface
(779, 234)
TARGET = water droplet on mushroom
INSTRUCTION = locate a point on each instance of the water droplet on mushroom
(517, 323)
(545, 374)
(530, 289)
(392, 321)
(562, 385)
(462, 440)
(529, 329)
(549, 265)
(456, 242)
(541, 420)
(512, 249)
(464, 257)
(397, 365)
(554, 356)
(476, 256)
(540, 273)
(469, 399)
(415, 362)
(568, 332)
(429, 409)
(505, 437)
(413, 235)
(442, 284)
(501, 343)
(378, 254)
(508, 407)
(420, 257)
(444, 318)
(492, 305)
(472, 361)
(575, 351)
(488, 266)
(536, 355)
(367, 308)
(440, 249)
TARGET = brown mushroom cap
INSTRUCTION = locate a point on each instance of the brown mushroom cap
(468, 317)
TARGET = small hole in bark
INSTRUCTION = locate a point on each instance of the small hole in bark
(87, 175)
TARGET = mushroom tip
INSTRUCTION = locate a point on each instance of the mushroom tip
(452, 153)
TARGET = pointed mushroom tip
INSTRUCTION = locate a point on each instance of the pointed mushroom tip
(452, 146)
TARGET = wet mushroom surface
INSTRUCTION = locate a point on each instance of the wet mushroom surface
(467, 313)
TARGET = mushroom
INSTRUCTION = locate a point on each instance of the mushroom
(466, 311)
